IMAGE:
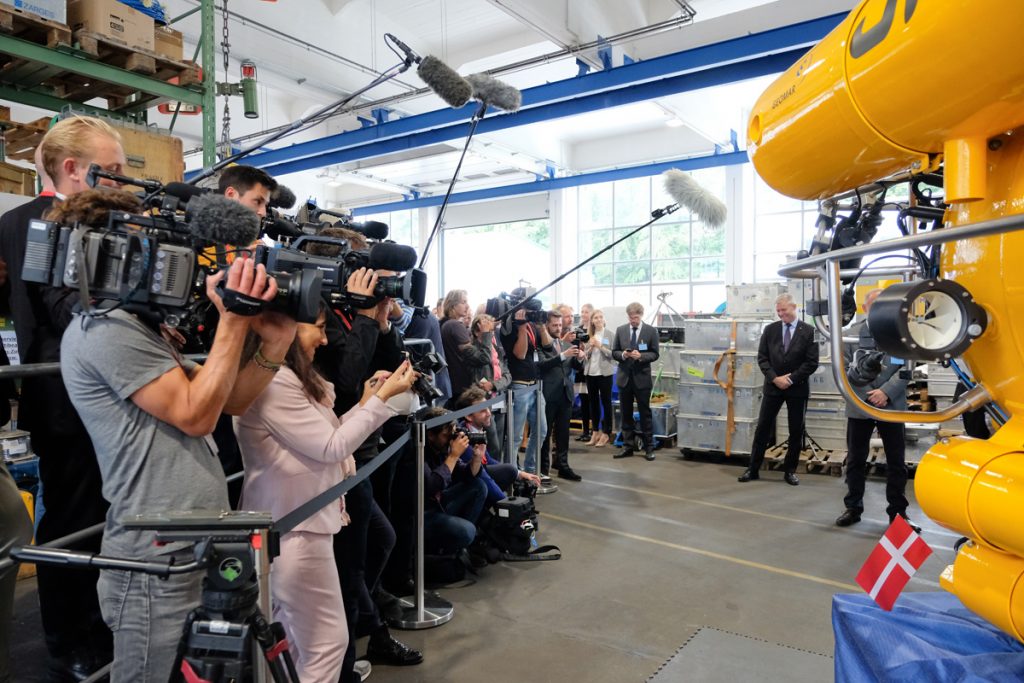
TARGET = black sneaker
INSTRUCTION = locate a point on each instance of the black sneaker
(585, 436)
(913, 526)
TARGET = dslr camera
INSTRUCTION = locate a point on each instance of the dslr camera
(475, 438)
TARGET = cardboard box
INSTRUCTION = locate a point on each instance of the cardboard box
(113, 20)
(169, 43)
(54, 10)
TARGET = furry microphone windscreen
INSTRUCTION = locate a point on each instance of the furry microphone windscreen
(445, 81)
(282, 198)
(689, 193)
(495, 93)
(217, 219)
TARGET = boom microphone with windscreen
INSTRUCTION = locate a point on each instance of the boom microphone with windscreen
(689, 193)
(495, 93)
(444, 81)
(215, 219)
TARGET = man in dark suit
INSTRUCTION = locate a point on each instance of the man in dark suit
(788, 355)
(635, 348)
(556, 365)
(886, 390)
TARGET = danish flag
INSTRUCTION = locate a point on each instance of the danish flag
(898, 555)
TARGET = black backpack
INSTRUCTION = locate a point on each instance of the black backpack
(512, 530)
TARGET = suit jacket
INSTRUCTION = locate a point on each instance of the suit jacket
(635, 373)
(295, 448)
(40, 313)
(799, 361)
(556, 372)
(888, 380)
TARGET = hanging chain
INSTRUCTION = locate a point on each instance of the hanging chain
(225, 133)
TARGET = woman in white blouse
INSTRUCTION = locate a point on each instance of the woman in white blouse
(599, 369)
(294, 447)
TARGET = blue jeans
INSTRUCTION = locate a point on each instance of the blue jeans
(455, 528)
(525, 405)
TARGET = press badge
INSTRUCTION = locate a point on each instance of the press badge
(641, 347)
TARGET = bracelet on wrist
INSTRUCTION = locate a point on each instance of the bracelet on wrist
(261, 361)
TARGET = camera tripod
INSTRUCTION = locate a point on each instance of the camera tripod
(218, 638)
(672, 313)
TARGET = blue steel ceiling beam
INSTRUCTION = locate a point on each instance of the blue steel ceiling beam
(789, 39)
(602, 100)
(689, 164)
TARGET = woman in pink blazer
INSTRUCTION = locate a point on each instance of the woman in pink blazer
(294, 447)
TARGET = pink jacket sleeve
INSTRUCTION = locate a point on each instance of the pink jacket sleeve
(298, 425)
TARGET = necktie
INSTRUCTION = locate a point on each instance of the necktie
(786, 337)
(632, 339)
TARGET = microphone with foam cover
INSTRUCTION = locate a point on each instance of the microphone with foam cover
(391, 256)
(495, 93)
(444, 81)
(689, 193)
(215, 219)
(278, 228)
(374, 230)
(184, 192)
(282, 198)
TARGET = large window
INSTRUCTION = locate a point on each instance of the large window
(486, 260)
(678, 258)
(400, 225)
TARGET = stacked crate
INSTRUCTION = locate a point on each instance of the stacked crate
(702, 409)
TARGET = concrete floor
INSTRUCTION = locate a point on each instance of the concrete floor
(652, 553)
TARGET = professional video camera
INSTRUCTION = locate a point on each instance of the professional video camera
(582, 336)
(335, 269)
(499, 306)
(152, 260)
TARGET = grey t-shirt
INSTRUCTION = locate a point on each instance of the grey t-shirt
(148, 466)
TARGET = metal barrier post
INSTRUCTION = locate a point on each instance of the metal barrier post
(422, 610)
(262, 561)
(510, 455)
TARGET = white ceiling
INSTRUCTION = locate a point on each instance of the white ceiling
(312, 52)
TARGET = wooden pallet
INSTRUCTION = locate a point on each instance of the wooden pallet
(33, 28)
(21, 139)
(17, 180)
(102, 48)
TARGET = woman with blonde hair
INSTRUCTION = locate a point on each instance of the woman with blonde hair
(599, 368)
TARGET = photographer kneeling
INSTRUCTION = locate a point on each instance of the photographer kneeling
(294, 447)
(150, 412)
(454, 493)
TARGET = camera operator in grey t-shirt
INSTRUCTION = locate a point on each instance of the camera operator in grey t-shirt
(150, 414)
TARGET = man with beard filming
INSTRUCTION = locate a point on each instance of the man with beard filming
(359, 343)
(150, 413)
(77, 641)
(522, 341)
(556, 366)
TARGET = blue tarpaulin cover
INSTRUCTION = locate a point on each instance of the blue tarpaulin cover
(926, 637)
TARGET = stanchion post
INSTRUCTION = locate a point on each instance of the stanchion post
(510, 424)
(422, 610)
(550, 486)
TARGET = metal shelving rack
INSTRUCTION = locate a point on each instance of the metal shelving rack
(43, 62)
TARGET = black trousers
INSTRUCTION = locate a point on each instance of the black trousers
(627, 396)
(558, 413)
(361, 550)
(796, 406)
(858, 442)
(599, 393)
(72, 494)
(585, 412)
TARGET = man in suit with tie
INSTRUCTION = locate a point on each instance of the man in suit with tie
(787, 355)
(635, 348)
(557, 361)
